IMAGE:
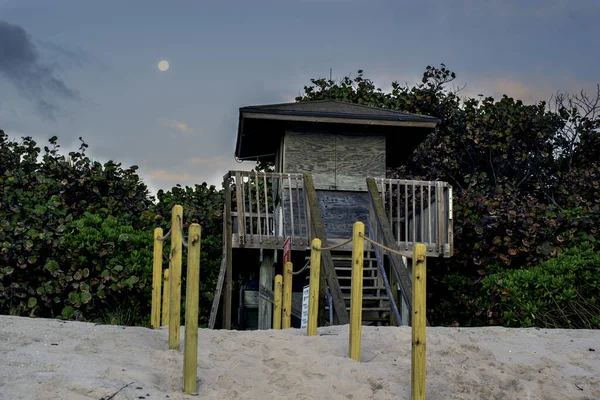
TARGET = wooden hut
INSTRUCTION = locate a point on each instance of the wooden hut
(330, 160)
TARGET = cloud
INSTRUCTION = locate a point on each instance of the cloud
(164, 175)
(20, 64)
(530, 90)
(180, 126)
(212, 161)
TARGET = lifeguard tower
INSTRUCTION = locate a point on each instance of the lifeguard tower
(330, 160)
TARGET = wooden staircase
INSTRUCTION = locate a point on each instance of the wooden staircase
(376, 305)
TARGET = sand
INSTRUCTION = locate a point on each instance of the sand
(47, 359)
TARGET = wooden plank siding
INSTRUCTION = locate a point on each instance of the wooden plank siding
(340, 210)
(336, 161)
(356, 158)
(312, 153)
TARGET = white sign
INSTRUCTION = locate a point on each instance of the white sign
(304, 319)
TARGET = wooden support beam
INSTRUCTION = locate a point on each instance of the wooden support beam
(277, 303)
(339, 306)
(228, 254)
(419, 323)
(192, 283)
(156, 278)
(175, 277)
(265, 308)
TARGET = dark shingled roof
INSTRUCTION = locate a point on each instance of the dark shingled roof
(261, 127)
(337, 109)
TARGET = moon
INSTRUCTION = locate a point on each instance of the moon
(163, 65)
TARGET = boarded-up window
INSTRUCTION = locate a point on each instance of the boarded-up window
(337, 161)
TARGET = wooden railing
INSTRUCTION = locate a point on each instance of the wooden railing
(381, 232)
(419, 212)
(267, 207)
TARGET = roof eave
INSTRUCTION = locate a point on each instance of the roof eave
(277, 115)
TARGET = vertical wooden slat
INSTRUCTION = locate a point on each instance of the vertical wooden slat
(413, 201)
(300, 233)
(450, 221)
(391, 201)
(267, 224)
(306, 216)
(444, 236)
(398, 213)
(406, 237)
(258, 206)
(241, 218)
(250, 210)
(291, 207)
(228, 237)
(440, 217)
(274, 187)
(281, 214)
(429, 212)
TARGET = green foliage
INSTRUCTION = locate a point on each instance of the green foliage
(526, 179)
(562, 292)
(202, 204)
(63, 221)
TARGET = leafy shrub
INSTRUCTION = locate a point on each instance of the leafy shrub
(202, 204)
(563, 292)
(43, 201)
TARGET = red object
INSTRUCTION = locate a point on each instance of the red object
(287, 250)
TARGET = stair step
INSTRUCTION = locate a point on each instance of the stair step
(365, 287)
(368, 298)
(364, 277)
(372, 309)
(350, 268)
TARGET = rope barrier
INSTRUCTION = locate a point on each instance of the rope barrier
(181, 231)
(380, 245)
(164, 237)
(307, 265)
(332, 247)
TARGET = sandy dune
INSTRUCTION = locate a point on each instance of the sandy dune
(49, 359)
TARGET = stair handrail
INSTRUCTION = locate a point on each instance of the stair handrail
(386, 282)
(318, 231)
(382, 225)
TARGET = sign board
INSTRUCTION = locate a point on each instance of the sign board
(287, 250)
(304, 319)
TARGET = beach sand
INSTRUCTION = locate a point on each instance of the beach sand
(47, 359)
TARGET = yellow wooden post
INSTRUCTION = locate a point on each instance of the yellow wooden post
(313, 292)
(175, 278)
(277, 302)
(156, 278)
(287, 296)
(192, 283)
(358, 256)
(165, 299)
(419, 322)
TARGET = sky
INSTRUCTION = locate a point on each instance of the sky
(83, 68)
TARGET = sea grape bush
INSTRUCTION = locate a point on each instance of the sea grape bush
(561, 292)
(526, 180)
(51, 263)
